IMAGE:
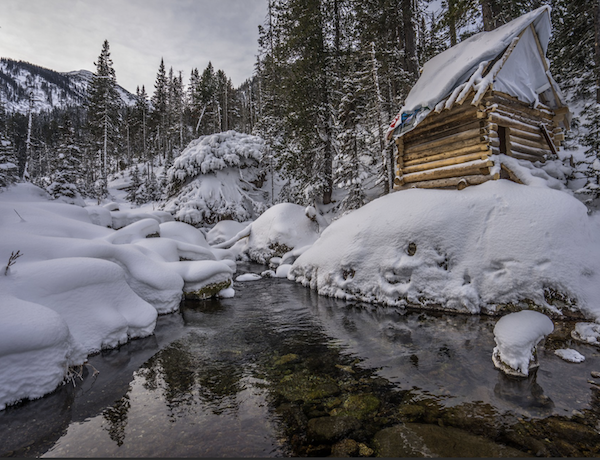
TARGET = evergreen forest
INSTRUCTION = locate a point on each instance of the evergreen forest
(329, 77)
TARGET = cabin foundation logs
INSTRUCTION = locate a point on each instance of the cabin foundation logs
(453, 148)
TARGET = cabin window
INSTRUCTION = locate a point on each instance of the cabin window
(503, 140)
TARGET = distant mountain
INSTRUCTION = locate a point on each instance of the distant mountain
(51, 89)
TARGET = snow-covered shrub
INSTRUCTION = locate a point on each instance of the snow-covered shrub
(517, 336)
(484, 248)
(218, 177)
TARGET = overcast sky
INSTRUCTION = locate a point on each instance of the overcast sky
(66, 35)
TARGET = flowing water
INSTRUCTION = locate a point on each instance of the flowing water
(279, 371)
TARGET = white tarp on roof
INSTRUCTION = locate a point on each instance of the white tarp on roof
(443, 73)
(523, 74)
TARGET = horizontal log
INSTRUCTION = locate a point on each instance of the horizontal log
(436, 117)
(525, 156)
(513, 104)
(494, 142)
(535, 121)
(514, 147)
(445, 162)
(450, 125)
(441, 153)
(502, 120)
(464, 169)
(461, 139)
(451, 182)
(540, 144)
(493, 135)
(533, 137)
(437, 134)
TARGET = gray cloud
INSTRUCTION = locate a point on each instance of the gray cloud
(67, 35)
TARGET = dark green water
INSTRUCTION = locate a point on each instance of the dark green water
(280, 371)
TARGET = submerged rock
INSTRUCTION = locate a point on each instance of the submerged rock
(359, 406)
(330, 429)
(420, 440)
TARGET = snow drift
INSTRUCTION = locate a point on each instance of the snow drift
(481, 249)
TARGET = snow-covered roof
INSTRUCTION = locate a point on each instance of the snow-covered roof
(450, 76)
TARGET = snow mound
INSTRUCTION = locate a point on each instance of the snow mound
(587, 332)
(281, 229)
(78, 287)
(568, 354)
(517, 336)
(218, 177)
(470, 251)
(224, 231)
(248, 277)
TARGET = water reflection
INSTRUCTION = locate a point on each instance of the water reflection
(264, 374)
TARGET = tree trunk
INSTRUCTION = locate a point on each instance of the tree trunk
(410, 48)
(597, 49)
(488, 17)
(452, 21)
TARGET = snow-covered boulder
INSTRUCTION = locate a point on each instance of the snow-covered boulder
(224, 231)
(473, 250)
(218, 177)
(279, 230)
(517, 336)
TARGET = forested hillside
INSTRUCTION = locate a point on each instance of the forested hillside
(329, 77)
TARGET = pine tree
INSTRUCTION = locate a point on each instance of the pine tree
(159, 110)
(354, 140)
(104, 117)
(308, 89)
(133, 189)
(8, 159)
(67, 166)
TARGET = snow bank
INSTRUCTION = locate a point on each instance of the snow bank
(468, 251)
(217, 177)
(79, 287)
(517, 336)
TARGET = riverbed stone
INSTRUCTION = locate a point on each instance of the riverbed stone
(208, 291)
(359, 406)
(345, 448)
(330, 429)
(301, 386)
(422, 440)
(290, 358)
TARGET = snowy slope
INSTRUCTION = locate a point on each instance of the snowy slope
(50, 89)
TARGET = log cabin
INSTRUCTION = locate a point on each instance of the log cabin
(485, 99)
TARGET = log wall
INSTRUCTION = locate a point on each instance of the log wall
(452, 149)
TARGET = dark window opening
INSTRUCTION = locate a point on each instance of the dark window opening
(502, 138)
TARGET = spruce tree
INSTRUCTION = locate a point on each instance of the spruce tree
(354, 140)
(104, 118)
(133, 189)
(66, 166)
(159, 110)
